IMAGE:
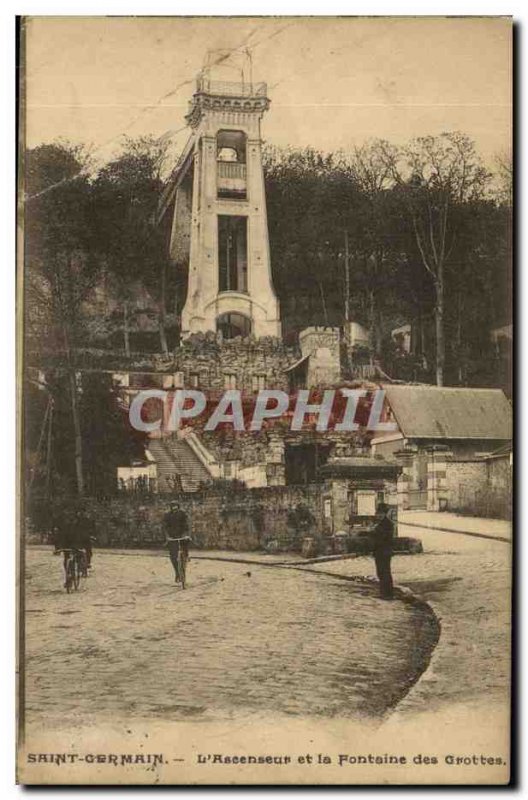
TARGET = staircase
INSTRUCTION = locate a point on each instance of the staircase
(173, 457)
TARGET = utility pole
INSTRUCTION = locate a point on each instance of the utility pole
(72, 379)
(347, 279)
(48, 450)
(125, 329)
(41, 440)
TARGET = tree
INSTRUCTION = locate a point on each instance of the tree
(126, 193)
(310, 203)
(109, 440)
(504, 178)
(371, 174)
(334, 227)
(435, 176)
(59, 255)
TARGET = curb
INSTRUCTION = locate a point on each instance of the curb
(454, 530)
(428, 675)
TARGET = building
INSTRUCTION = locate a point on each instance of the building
(214, 209)
(436, 429)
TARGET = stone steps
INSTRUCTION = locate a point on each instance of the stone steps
(175, 457)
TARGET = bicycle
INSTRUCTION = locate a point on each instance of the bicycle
(182, 567)
(75, 568)
(179, 555)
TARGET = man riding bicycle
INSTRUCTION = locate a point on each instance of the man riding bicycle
(176, 526)
(72, 535)
(86, 538)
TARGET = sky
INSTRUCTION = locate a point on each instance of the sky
(333, 82)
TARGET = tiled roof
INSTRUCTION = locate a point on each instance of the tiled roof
(438, 412)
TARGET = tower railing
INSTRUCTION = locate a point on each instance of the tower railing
(230, 88)
(231, 169)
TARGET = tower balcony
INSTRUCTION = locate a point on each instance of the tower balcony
(231, 179)
(205, 85)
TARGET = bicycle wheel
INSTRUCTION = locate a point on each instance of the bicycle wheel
(70, 571)
(83, 565)
(182, 567)
(76, 573)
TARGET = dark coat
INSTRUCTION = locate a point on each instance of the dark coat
(175, 524)
(383, 536)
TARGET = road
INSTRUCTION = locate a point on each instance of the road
(467, 581)
(240, 639)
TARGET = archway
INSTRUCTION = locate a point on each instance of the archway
(233, 324)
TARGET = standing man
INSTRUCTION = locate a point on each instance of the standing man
(383, 536)
(176, 527)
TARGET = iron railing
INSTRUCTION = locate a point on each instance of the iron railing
(231, 169)
(230, 88)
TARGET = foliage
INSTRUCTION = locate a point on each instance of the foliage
(379, 235)
(108, 439)
(60, 240)
(126, 192)
(300, 518)
(423, 231)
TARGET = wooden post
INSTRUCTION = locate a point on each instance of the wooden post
(125, 328)
(48, 450)
(347, 279)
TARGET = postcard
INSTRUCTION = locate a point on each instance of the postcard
(265, 400)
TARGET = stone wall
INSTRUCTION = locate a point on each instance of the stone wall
(474, 485)
(267, 447)
(249, 364)
(500, 473)
(479, 487)
(455, 480)
(249, 448)
(465, 482)
(499, 499)
(272, 518)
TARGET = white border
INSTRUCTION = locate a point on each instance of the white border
(7, 287)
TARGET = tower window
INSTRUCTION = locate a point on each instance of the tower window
(231, 146)
(232, 254)
(231, 165)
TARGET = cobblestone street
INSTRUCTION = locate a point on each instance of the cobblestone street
(466, 580)
(241, 638)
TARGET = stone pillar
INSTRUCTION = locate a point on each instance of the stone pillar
(275, 467)
(339, 488)
(437, 495)
(405, 459)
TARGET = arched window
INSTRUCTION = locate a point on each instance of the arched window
(233, 324)
(231, 146)
(231, 165)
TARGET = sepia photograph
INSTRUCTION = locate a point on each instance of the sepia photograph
(265, 459)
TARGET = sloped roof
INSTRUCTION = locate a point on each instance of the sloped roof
(297, 363)
(438, 412)
(503, 452)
